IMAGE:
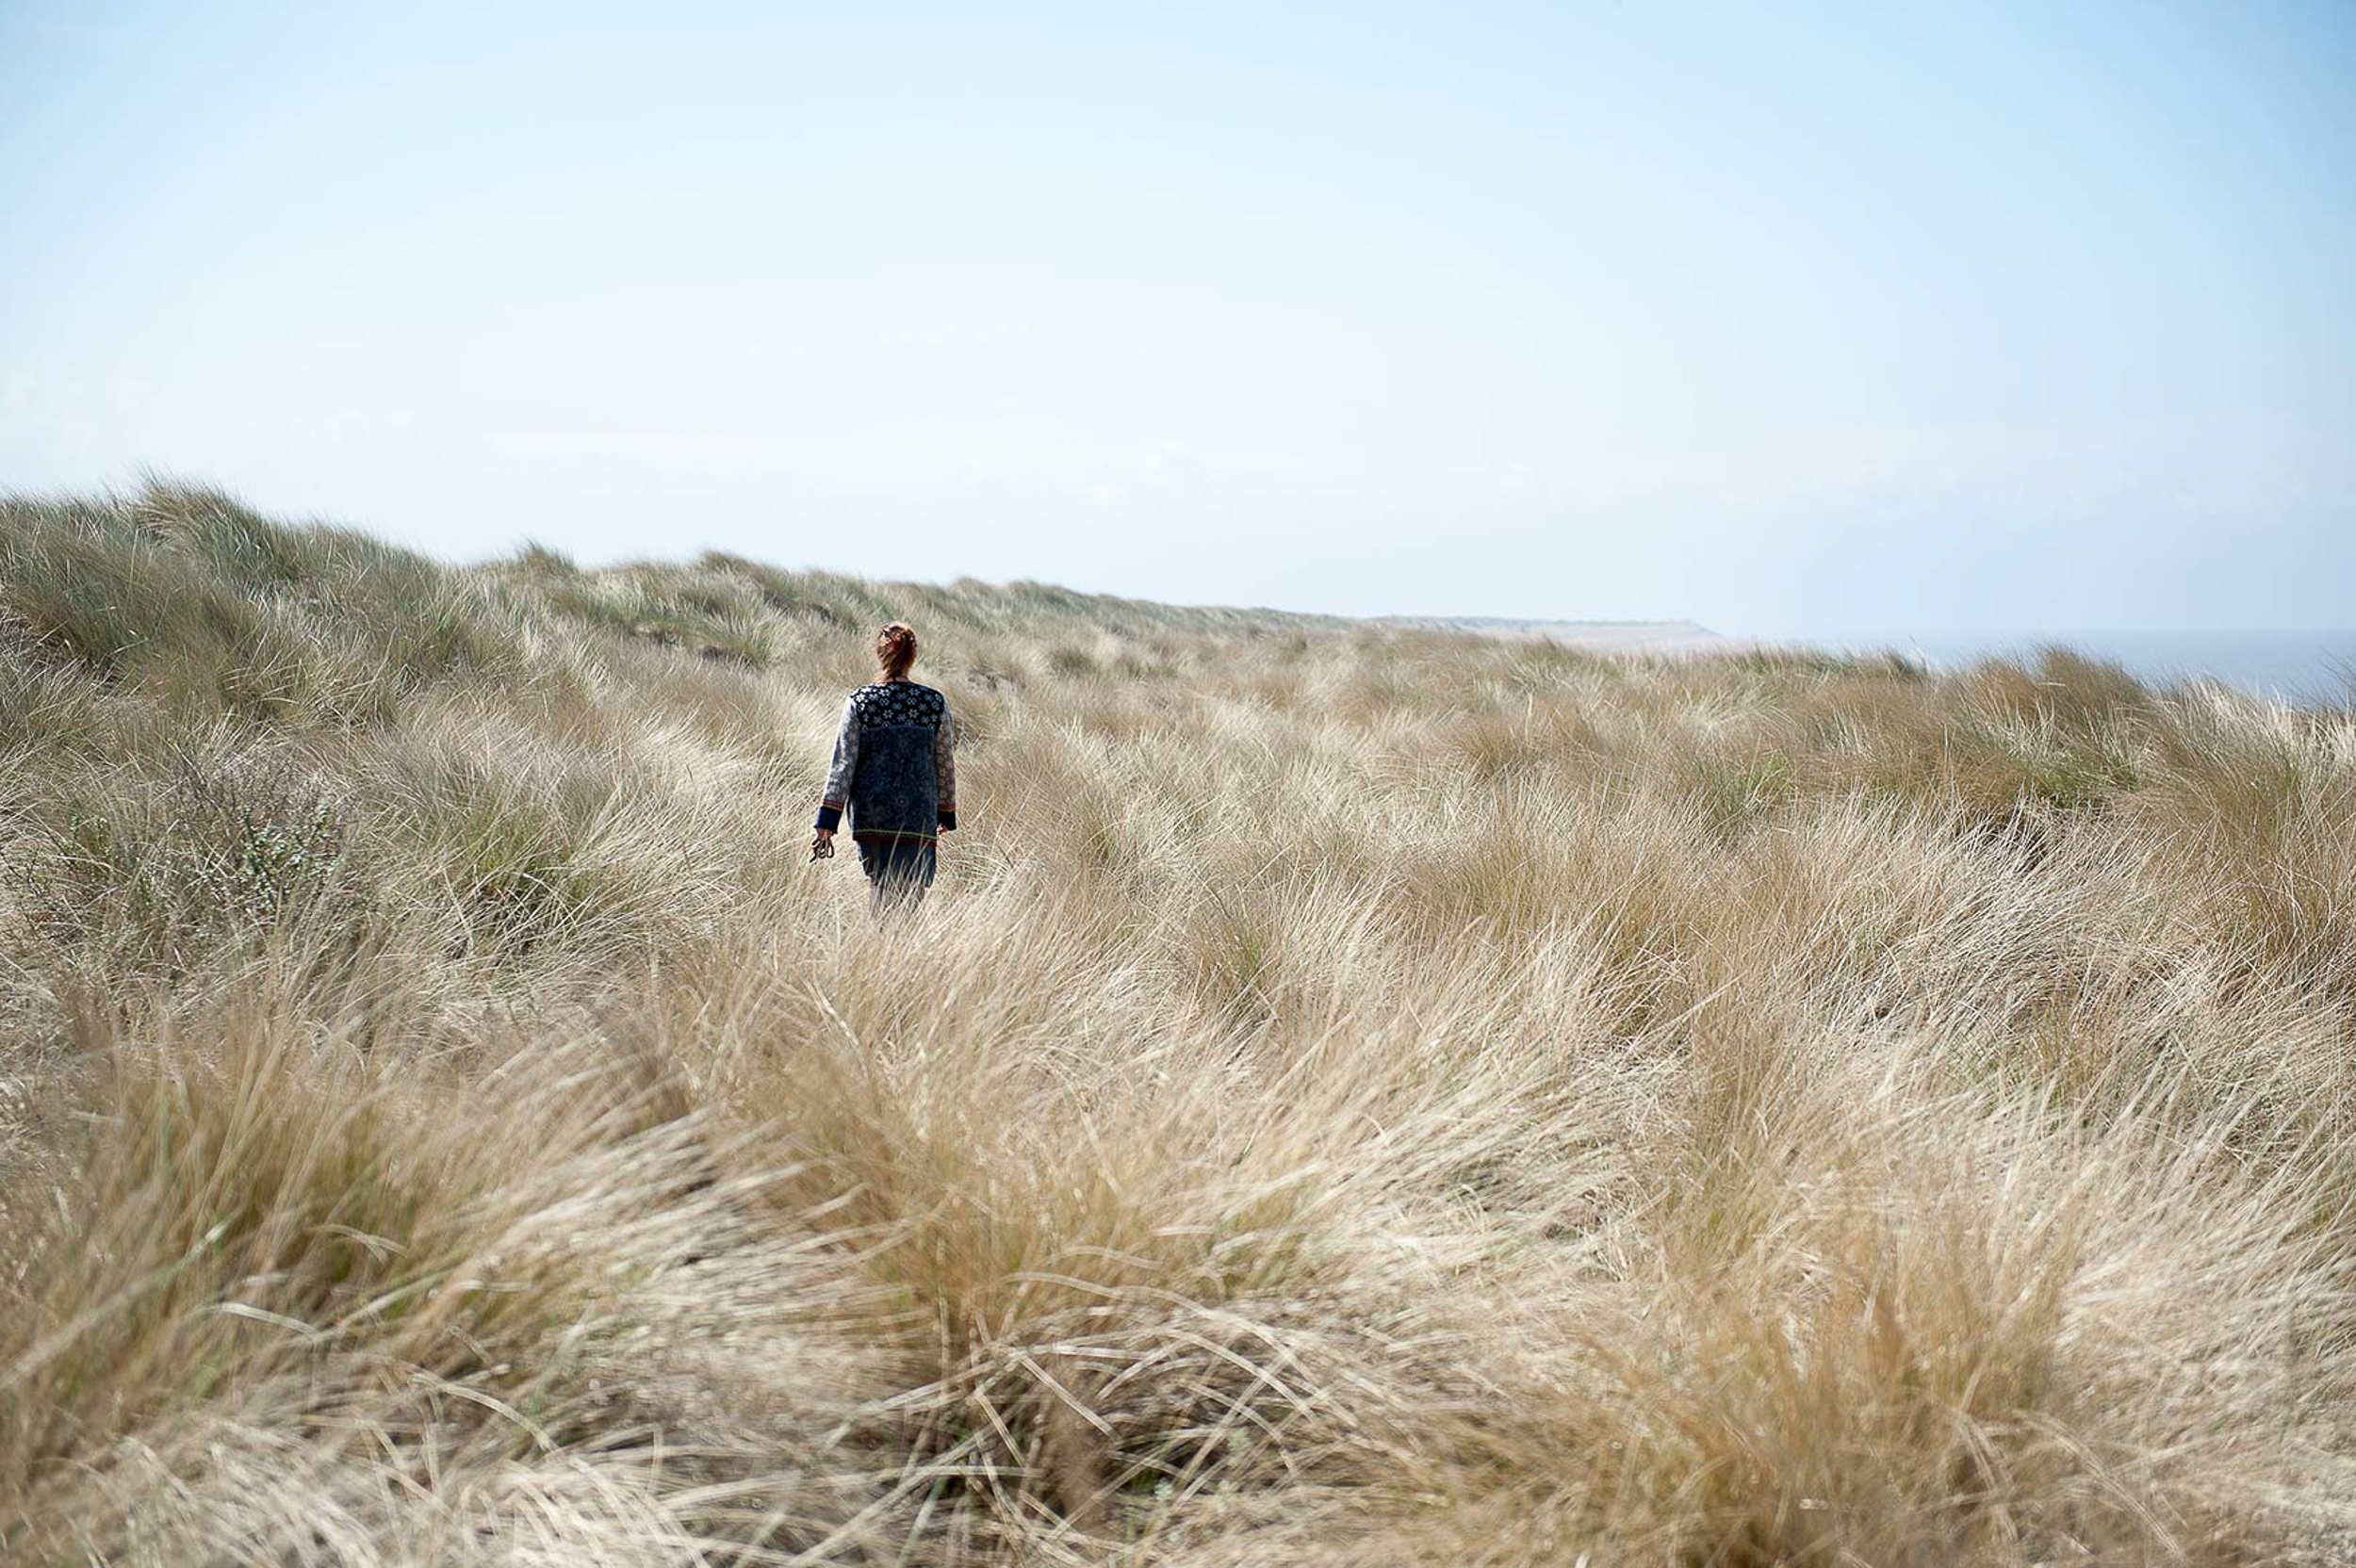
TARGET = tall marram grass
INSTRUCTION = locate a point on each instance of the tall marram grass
(1356, 1097)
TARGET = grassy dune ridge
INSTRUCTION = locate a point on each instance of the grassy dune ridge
(1356, 1096)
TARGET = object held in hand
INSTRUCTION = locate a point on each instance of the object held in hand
(821, 847)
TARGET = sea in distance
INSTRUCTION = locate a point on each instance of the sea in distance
(2305, 667)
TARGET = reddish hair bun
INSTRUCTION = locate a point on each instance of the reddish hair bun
(895, 649)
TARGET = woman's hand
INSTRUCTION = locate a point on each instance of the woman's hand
(822, 845)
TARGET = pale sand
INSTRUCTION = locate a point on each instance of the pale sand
(1597, 636)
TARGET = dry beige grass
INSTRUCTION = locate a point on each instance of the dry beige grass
(1354, 1098)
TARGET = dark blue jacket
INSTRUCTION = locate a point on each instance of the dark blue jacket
(893, 766)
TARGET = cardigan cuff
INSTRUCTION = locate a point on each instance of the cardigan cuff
(948, 819)
(829, 817)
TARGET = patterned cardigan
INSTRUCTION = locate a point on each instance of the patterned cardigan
(893, 766)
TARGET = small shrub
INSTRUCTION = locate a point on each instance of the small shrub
(154, 877)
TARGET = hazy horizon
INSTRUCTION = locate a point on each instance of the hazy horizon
(1795, 325)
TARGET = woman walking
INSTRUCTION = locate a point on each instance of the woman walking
(893, 766)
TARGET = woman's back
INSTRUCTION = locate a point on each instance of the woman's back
(895, 770)
(894, 790)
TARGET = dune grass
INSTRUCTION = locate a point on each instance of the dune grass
(1355, 1097)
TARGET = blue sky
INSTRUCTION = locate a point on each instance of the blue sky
(1802, 319)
